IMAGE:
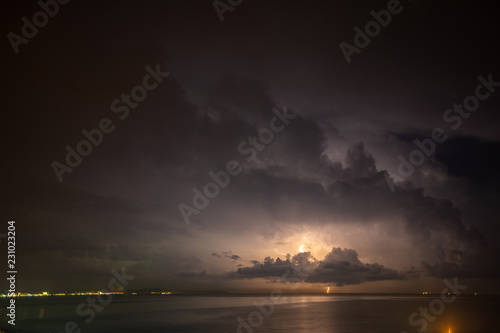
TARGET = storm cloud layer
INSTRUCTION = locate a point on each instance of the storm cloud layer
(340, 266)
(327, 182)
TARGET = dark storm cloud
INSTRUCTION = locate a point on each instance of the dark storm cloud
(343, 267)
(192, 275)
(93, 219)
(325, 169)
(463, 265)
(269, 268)
(228, 254)
(206, 136)
(340, 266)
(472, 158)
(358, 192)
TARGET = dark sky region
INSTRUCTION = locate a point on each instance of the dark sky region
(316, 194)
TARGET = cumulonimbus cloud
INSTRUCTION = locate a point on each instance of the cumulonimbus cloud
(340, 266)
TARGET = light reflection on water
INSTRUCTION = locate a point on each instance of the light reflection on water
(42, 310)
(297, 313)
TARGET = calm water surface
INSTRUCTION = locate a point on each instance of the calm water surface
(323, 313)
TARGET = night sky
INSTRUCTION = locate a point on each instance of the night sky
(311, 145)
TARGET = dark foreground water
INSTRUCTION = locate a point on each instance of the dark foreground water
(322, 313)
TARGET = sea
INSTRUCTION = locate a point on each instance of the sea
(337, 313)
